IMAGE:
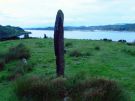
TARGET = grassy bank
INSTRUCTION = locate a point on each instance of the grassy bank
(110, 60)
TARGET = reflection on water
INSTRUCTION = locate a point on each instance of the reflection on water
(94, 35)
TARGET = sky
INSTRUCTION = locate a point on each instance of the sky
(42, 13)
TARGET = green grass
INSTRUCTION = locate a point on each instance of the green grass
(112, 60)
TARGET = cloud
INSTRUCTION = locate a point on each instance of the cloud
(77, 12)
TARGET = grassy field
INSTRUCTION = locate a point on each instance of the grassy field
(111, 60)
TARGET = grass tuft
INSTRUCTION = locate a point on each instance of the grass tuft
(18, 52)
(44, 89)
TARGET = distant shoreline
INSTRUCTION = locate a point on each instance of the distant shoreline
(123, 27)
(78, 30)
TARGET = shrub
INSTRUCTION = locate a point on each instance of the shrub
(16, 72)
(39, 44)
(75, 53)
(87, 54)
(103, 90)
(130, 44)
(2, 63)
(107, 40)
(122, 41)
(13, 76)
(18, 52)
(129, 51)
(24, 85)
(97, 48)
(14, 53)
(27, 67)
(41, 89)
(58, 88)
(68, 44)
(97, 90)
(3, 77)
(19, 70)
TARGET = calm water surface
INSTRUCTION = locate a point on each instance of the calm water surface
(94, 35)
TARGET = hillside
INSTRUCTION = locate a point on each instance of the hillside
(100, 59)
(7, 32)
(120, 27)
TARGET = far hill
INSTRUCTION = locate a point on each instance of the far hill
(120, 27)
(116, 27)
(9, 32)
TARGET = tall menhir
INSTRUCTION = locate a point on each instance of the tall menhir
(59, 43)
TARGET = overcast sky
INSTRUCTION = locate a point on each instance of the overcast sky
(41, 13)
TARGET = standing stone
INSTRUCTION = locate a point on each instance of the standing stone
(59, 43)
